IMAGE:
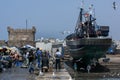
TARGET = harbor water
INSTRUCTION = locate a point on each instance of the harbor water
(99, 79)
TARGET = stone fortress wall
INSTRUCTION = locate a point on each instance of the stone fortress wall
(21, 37)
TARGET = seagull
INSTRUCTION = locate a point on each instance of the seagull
(41, 73)
(70, 78)
(114, 5)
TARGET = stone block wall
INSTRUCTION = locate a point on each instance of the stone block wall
(21, 37)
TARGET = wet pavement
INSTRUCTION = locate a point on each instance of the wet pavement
(17, 73)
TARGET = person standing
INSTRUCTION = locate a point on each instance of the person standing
(45, 62)
(27, 59)
(58, 57)
(39, 57)
(31, 56)
(16, 60)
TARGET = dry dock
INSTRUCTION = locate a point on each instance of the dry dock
(113, 65)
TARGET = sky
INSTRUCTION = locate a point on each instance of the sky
(51, 17)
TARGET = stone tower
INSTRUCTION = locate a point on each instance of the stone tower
(21, 37)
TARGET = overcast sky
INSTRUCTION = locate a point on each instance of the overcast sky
(51, 17)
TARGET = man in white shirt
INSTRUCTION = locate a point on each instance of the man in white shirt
(58, 56)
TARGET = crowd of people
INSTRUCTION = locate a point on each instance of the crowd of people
(32, 59)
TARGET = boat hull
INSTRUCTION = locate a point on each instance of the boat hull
(88, 47)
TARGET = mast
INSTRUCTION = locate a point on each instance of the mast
(79, 26)
(81, 10)
(26, 25)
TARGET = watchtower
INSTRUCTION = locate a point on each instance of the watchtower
(21, 37)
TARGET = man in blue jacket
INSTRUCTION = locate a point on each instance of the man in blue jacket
(39, 57)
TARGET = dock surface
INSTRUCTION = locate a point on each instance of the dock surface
(58, 75)
(61, 74)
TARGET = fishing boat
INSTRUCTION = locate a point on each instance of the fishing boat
(90, 41)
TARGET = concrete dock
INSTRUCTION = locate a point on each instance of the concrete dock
(18, 73)
(67, 73)
(61, 75)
